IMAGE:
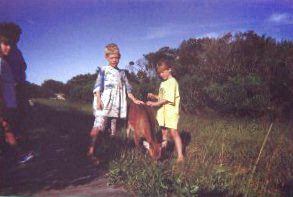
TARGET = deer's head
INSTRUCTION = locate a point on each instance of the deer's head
(154, 149)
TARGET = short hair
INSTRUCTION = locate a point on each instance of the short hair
(4, 39)
(10, 30)
(163, 65)
(112, 48)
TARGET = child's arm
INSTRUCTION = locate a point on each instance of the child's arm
(99, 101)
(99, 85)
(159, 103)
(135, 100)
(129, 89)
(153, 96)
(167, 97)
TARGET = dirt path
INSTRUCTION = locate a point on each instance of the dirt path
(61, 168)
(95, 188)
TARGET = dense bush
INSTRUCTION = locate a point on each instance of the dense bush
(243, 73)
(80, 87)
(35, 91)
(53, 86)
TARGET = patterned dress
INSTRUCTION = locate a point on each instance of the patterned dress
(113, 86)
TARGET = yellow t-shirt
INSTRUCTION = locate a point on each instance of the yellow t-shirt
(168, 114)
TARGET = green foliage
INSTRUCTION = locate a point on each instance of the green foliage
(142, 84)
(243, 73)
(36, 91)
(80, 87)
(239, 94)
(53, 86)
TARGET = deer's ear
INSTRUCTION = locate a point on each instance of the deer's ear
(146, 144)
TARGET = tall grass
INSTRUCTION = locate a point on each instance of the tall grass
(220, 160)
(223, 158)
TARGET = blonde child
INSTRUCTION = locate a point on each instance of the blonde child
(168, 102)
(110, 92)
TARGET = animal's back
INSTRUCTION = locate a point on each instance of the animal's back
(141, 120)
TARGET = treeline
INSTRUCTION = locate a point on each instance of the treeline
(79, 88)
(244, 73)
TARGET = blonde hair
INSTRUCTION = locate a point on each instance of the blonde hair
(112, 48)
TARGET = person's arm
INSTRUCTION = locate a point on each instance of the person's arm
(158, 103)
(129, 89)
(153, 96)
(99, 87)
(135, 100)
(23, 69)
(99, 101)
(167, 98)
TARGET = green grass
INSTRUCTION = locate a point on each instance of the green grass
(219, 159)
(64, 105)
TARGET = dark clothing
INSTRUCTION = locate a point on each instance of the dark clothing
(18, 68)
(11, 116)
(7, 83)
(18, 65)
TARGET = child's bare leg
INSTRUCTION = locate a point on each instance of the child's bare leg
(93, 134)
(164, 137)
(178, 143)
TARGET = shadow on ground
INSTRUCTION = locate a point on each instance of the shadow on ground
(60, 139)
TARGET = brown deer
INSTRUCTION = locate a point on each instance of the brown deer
(142, 122)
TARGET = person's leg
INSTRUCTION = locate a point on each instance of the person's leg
(93, 134)
(164, 137)
(23, 112)
(99, 125)
(178, 143)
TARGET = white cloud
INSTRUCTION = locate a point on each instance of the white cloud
(166, 31)
(281, 18)
(210, 35)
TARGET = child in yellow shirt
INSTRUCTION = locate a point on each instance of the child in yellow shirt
(168, 102)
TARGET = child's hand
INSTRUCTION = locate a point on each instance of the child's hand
(151, 104)
(138, 102)
(151, 96)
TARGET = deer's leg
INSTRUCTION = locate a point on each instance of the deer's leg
(128, 132)
(136, 138)
(129, 129)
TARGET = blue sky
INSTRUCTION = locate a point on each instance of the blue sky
(63, 38)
